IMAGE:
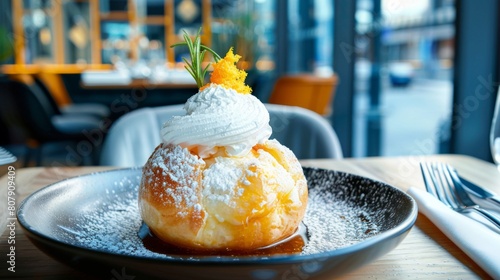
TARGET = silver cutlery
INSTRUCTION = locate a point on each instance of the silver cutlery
(478, 191)
(6, 157)
(439, 181)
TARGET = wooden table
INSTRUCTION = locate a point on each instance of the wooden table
(426, 253)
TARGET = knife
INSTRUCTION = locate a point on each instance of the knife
(481, 192)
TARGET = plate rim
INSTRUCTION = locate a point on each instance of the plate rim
(400, 229)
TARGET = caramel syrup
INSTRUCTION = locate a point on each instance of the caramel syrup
(290, 245)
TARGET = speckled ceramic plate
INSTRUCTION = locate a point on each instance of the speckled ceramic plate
(92, 223)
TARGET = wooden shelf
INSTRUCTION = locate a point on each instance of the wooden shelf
(12, 69)
(96, 18)
(154, 20)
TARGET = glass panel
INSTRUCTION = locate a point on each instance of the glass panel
(38, 31)
(248, 27)
(36, 4)
(264, 28)
(77, 32)
(152, 45)
(155, 7)
(404, 63)
(116, 47)
(311, 36)
(107, 6)
(231, 27)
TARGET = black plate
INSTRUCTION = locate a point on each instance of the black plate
(91, 222)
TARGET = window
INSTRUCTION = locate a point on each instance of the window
(404, 64)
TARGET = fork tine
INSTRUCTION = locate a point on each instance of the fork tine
(429, 180)
(437, 184)
(442, 185)
(448, 184)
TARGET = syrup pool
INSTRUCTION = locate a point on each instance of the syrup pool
(290, 245)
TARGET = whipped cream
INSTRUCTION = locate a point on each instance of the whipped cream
(217, 117)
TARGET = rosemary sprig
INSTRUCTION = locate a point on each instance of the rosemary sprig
(197, 52)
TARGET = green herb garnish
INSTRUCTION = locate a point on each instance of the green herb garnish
(197, 52)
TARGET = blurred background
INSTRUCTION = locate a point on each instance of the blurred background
(410, 77)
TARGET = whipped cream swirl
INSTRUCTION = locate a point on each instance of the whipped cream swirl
(218, 117)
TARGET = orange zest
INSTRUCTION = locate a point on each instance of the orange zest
(226, 74)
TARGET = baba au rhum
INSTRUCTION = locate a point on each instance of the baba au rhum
(217, 182)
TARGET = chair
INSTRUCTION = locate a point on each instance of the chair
(305, 90)
(134, 136)
(44, 125)
(94, 109)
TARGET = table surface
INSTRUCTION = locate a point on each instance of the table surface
(425, 253)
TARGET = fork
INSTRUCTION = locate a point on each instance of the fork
(6, 157)
(441, 181)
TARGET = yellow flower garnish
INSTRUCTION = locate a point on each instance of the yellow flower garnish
(226, 74)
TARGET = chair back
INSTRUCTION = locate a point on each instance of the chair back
(305, 90)
(35, 109)
(61, 104)
(54, 84)
(48, 96)
(305, 132)
(134, 136)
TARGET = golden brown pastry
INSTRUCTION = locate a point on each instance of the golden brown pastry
(216, 182)
(236, 203)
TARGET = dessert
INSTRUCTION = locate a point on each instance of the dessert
(217, 182)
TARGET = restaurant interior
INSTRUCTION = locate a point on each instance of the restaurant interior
(357, 61)
(373, 88)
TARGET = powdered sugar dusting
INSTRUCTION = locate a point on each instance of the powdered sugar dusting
(179, 166)
(112, 223)
(348, 224)
(220, 182)
(342, 211)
